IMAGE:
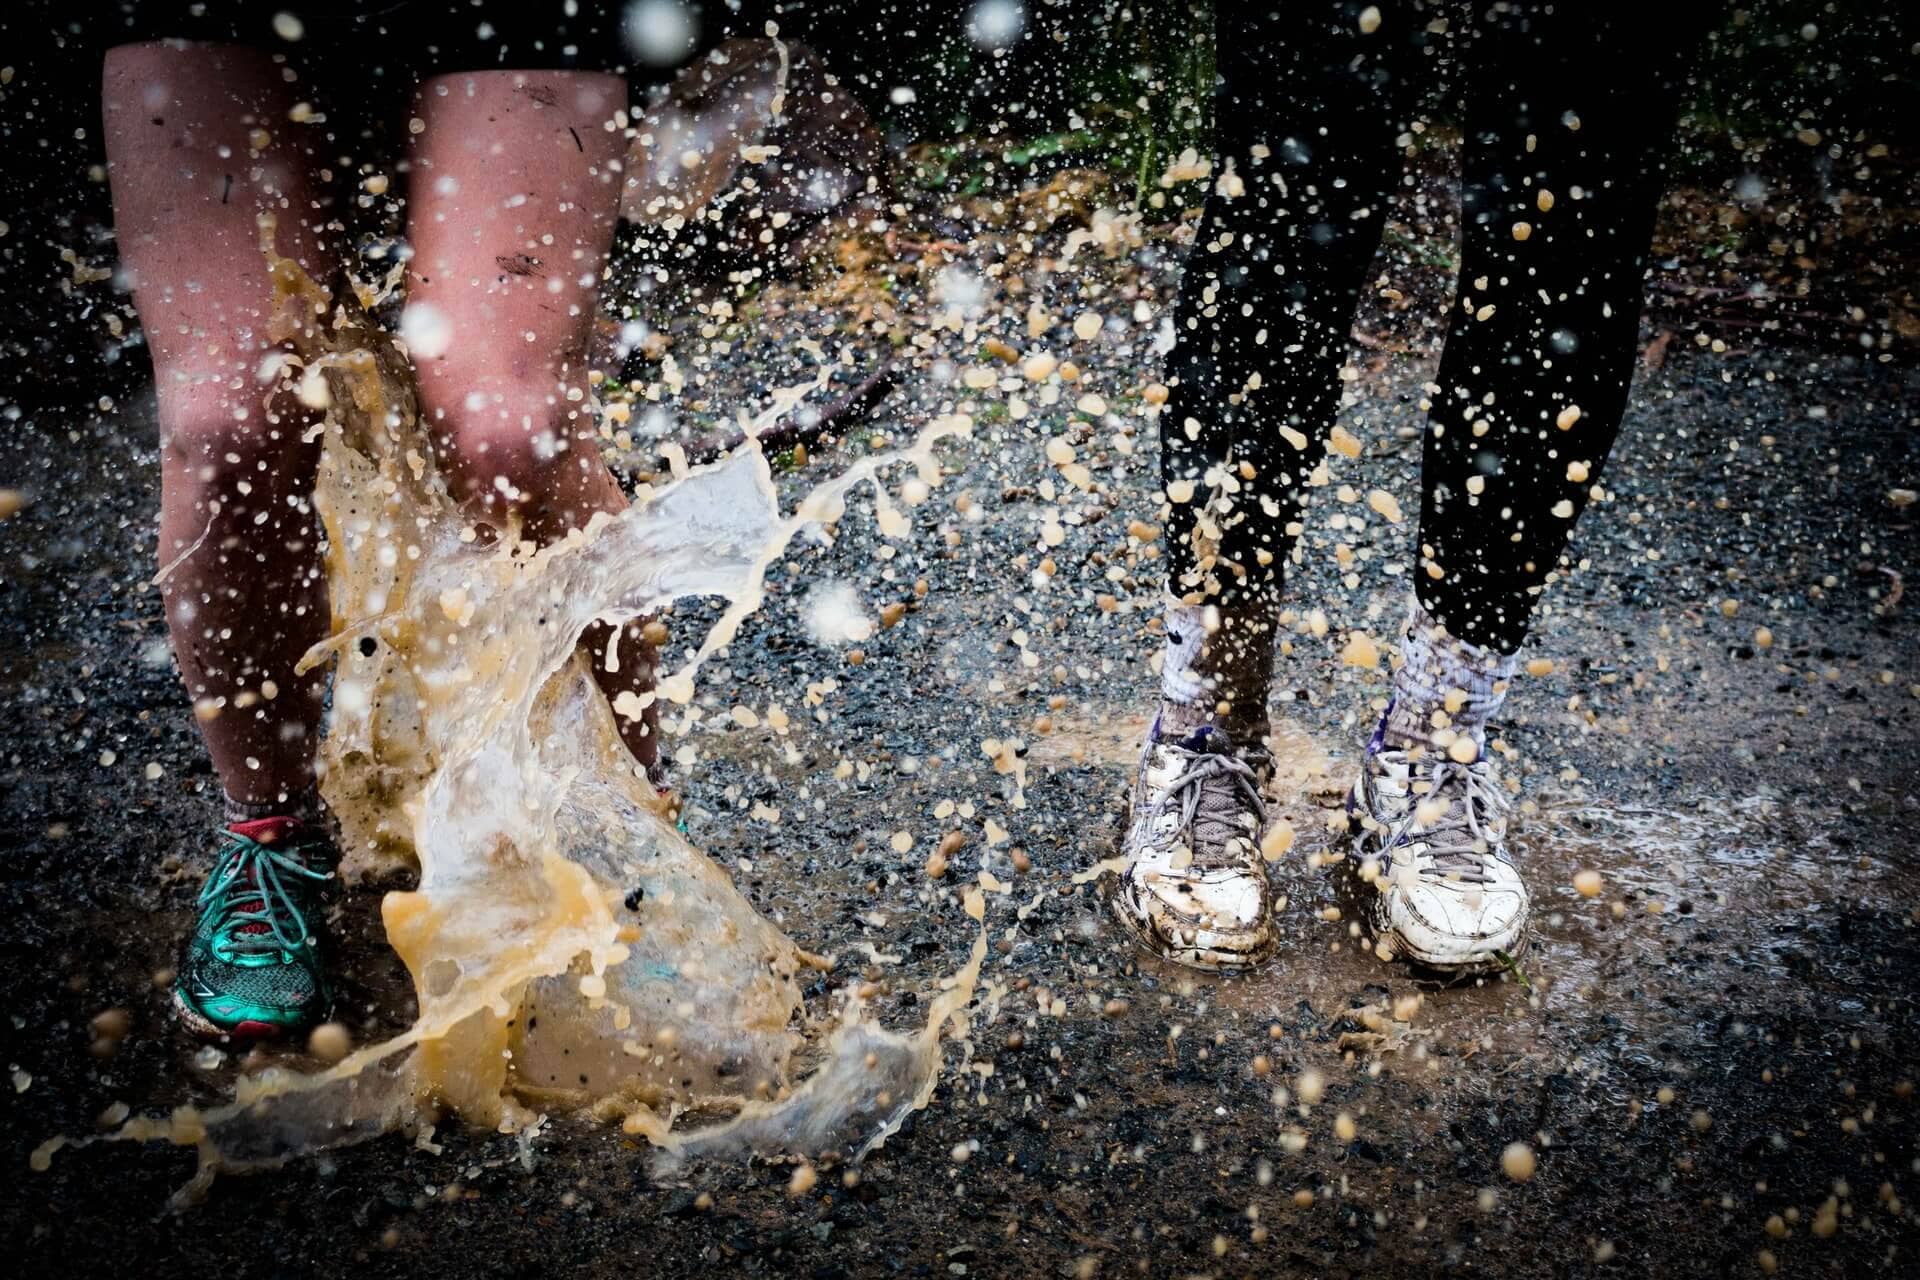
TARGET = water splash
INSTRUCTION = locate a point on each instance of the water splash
(569, 948)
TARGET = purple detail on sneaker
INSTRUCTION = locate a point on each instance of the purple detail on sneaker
(1207, 738)
(1377, 743)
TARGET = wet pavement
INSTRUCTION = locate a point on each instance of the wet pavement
(1712, 1061)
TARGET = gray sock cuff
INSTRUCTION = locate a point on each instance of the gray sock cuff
(1434, 664)
(1181, 680)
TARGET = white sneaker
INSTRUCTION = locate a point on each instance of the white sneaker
(1429, 861)
(1195, 887)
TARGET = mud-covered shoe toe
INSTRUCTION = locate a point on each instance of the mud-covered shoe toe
(1451, 925)
(1194, 889)
(1216, 919)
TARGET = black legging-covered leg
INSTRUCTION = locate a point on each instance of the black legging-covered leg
(1569, 118)
(1569, 113)
(1307, 110)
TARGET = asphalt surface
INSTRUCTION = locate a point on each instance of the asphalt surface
(1712, 1062)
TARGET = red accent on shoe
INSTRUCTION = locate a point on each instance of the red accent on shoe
(249, 1029)
(265, 830)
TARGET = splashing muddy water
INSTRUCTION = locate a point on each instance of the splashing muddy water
(569, 949)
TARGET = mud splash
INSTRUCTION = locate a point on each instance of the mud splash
(569, 949)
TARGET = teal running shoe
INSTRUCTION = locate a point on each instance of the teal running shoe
(252, 969)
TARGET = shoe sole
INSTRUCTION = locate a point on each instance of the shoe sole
(203, 1028)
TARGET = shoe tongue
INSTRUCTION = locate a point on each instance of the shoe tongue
(269, 831)
(266, 830)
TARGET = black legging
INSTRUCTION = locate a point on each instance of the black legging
(1571, 110)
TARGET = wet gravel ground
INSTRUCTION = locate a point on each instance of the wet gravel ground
(1713, 1060)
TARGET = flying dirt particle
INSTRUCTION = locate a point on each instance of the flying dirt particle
(1763, 638)
(1155, 393)
(1344, 442)
(1540, 666)
(1116, 1008)
(1603, 1252)
(288, 27)
(1729, 607)
(1463, 750)
(329, 1042)
(1000, 350)
(1312, 1086)
(1385, 505)
(1369, 20)
(1086, 325)
(1767, 1263)
(1276, 840)
(1262, 1064)
(961, 1153)
(1587, 883)
(1059, 452)
(1517, 1162)
(1404, 1007)
(1702, 1122)
(901, 841)
(11, 503)
(112, 1024)
(1180, 491)
(1578, 472)
(1303, 1198)
(1563, 509)
(804, 1179)
(1664, 1095)
(1568, 416)
(1895, 497)
(1361, 651)
(1344, 1127)
(1544, 200)
(1522, 230)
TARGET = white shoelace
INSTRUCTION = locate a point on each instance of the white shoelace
(1459, 844)
(1209, 789)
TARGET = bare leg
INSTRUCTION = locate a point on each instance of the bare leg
(512, 216)
(198, 146)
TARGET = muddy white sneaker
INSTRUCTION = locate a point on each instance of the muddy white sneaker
(1429, 860)
(1195, 887)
